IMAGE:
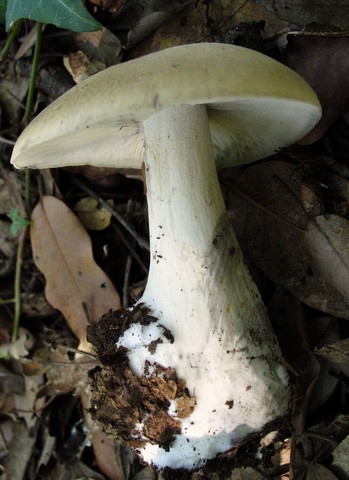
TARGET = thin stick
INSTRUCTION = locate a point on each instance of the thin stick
(6, 141)
(125, 286)
(130, 248)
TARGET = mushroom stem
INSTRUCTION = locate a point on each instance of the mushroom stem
(212, 328)
(185, 205)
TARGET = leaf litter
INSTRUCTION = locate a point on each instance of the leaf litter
(291, 216)
(62, 251)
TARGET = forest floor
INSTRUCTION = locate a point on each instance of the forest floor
(290, 213)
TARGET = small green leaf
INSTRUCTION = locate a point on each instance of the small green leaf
(67, 14)
(18, 222)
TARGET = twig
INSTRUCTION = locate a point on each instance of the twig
(304, 33)
(6, 141)
(125, 286)
(131, 249)
(222, 23)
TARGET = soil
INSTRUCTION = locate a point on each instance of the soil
(121, 401)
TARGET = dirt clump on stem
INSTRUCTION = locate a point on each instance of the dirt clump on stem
(130, 406)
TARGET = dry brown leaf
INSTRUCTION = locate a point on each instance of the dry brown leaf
(299, 335)
(6, 406)
(114, 459)
(338, 354)
(319, 472)
(81, 67)
(62, 251)
(64, 371)
(340, 463)
(48, 449)
(327, 237)
(227, 21)
(301, 13)
(6, 428)
(100, 46)
(106, 455)
(146, 474)
(324, 63)
(20, 450)
(113, 6)
(246, 474)
(5, 197)
(28, 403)
(13, 89)
(36, 305)
(10, 382)
(271, 222)
(140, 19)
(73, 469)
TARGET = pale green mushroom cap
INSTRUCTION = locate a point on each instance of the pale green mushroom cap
(255, 106)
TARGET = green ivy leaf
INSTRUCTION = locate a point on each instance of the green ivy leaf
(2, 11)
(67, 14)
(18, 222)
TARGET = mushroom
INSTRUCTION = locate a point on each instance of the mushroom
(198, 348)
